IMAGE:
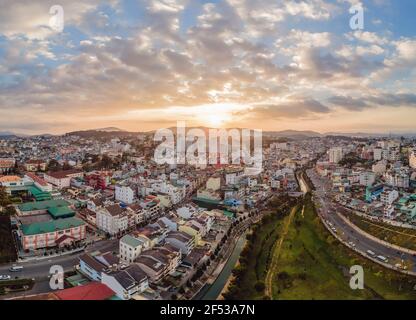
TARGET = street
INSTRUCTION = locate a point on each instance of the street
(361, 242)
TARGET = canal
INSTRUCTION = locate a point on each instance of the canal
(212, 291)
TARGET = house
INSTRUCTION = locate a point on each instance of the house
(112, 219)
(181, 240)
(91, 291)
(159, 262)
(126, 283)
(130, 248)
(91, 267)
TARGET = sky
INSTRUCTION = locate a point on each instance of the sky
(141, 65)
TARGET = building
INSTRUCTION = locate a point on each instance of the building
(55, 208)
(54, 233)
(91, 267)
(335, 155)
(12, 182)
(125, 194)
(130, 248)
(181, 240)
(398, 179)
(389, 196)
(372, 193)
(7, 164)
(112, 219)
(380, 167)
(378, 154)
(35, 165)
(412, 159)
(95, 291)
(126, 283)
(62, 179)
(159, 262)
(367, 178)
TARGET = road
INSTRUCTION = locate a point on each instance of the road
(362, 243)
(39, 270)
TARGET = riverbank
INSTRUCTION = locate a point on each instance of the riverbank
(311, 264)
(222, 273)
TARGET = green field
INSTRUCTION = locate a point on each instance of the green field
(312, 265)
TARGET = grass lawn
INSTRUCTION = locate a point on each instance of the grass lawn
(402, 237)
(314, 265)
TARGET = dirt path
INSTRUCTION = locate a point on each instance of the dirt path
(271, 272)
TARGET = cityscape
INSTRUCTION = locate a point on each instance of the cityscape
(230, 150)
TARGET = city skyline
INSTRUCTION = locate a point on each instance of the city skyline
(271, 65)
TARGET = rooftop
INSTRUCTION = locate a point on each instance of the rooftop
(51, 226)
(131, 241)
(91, 291)
(42, 205)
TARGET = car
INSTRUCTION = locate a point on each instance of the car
(371, 253)
(384, 259)
(5, 277)
(352, 244)
(16, 269)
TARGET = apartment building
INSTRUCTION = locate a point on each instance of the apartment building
(112, 219)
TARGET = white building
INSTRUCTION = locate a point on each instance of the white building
(112, 219)
(389, 196)
(125, 194)
(367, 178)
(378, 154)
(412, 159)
(335, 155)
(130, 248)
(398, 179)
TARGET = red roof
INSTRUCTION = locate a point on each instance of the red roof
(91, 291)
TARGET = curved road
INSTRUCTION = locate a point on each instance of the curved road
(346, 232)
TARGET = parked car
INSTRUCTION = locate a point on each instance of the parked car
(5, 277)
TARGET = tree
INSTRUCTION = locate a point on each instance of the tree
(4, 198)
(54, 165)
(259, 286)
(106, 162)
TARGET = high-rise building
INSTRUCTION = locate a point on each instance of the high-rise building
(412, 159)
(335, 155)
(378, 154)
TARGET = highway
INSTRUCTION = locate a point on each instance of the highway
(362, 243)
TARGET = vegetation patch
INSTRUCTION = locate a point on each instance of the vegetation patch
(402, 237)
(312, 264)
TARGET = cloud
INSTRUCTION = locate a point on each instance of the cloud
(381, 100)
(292, 109)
